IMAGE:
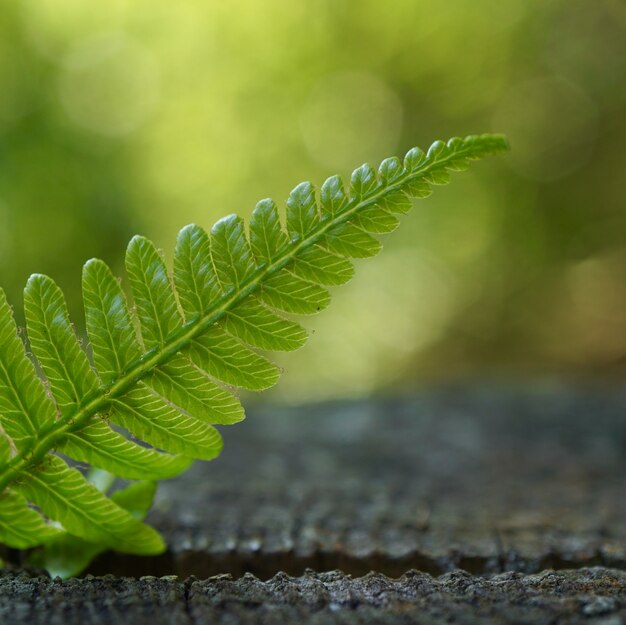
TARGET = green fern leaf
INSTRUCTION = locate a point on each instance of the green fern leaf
(66, 555)
(20, 525)
(63, 494)
(142, 399)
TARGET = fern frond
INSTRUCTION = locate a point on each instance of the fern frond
(164, 371)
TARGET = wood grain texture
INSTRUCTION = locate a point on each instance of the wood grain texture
(472, 477)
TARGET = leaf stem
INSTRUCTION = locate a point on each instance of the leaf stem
(99, 401)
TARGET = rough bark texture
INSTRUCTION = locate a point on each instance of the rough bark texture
(502, 484)
(596, 596)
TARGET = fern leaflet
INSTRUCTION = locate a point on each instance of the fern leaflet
(161, 373)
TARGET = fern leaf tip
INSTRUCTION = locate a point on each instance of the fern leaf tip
(192, 227)
(224, 222)
(93, 263)
(36, 279)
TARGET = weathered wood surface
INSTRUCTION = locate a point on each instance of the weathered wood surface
(503, 484)
(475, 478)
(594, 596)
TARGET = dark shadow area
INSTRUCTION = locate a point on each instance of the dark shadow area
(266, 566)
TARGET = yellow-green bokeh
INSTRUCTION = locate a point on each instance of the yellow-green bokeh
(132, 116)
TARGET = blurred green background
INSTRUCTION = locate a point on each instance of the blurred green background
(131, 116)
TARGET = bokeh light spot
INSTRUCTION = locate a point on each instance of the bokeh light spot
(109, 85)
(551, 124)
(378, 327)
(351, 117)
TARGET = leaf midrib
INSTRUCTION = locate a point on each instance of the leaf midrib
(52, 435)
(80, 511)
